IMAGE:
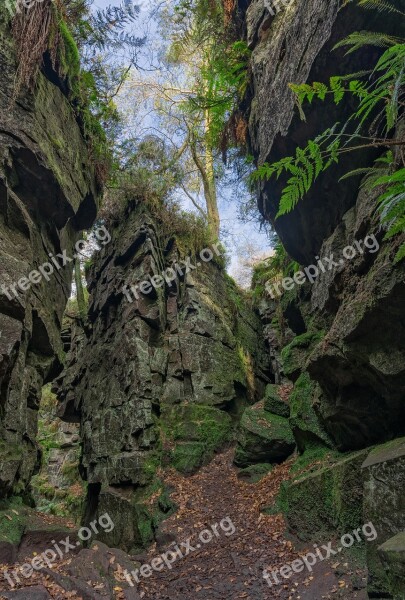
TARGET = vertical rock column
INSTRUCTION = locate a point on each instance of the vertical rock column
(47, 195)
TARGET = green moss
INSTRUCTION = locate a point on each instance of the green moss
(197, 431)
(235, 294)
(273, 402)
(263, 437)
(303, 420)
(187, 457)
(10, 452)
(295, 355)
(13, 520)
(69, 55)
(255, 473)
(331, 496)
(151, 506)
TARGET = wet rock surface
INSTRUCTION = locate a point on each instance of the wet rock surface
(45, 181)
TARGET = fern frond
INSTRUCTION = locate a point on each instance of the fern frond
(380, 5)
(359, 39)
(400, 255)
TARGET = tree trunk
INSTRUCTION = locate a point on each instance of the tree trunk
(81, 302)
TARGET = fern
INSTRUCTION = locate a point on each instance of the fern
(358, 39)
(381, 6)
(304, 169)
(381, 98)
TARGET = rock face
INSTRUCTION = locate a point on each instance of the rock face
(384, 506)
(347, 360)
(162, 378)
(47, 195)
(264, 438)
(295, 46)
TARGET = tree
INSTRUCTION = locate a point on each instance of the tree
(191, 98)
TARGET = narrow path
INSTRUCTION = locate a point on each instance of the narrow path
(231, 566)
(226, 540)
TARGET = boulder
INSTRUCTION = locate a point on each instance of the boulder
(384, 506)
(263, 437)
(273, 402)
(304, 422)
(392, 554)
(326, 501)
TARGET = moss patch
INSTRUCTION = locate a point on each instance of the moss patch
(197, 432)
(13, 520)
(273, 402)
(254, 473)
(326, 501)
(295, 355)
(263, 437)
(303, 420)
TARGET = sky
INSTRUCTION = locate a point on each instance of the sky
(238, 234)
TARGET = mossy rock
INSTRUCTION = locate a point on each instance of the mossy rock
(326, 501)
(254, 473)
(13, 520)
(187, 457)
(136, 515)
(392, 554)
(263, 437)
(198, 431)
(383, 505)
(294, 356)
(304, 422)
(273, 402)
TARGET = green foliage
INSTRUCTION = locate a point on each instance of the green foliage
(224, 79)
(68, 53)
(222, 73)
(273, 269)
(380, 98)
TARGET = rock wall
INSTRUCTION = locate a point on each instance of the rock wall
(47, 195)
(158, 381)
(294, 46)
(347, 360)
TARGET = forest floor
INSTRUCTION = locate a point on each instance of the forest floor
(229, 566)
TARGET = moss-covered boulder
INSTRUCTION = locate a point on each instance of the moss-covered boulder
(263, 437)
(274, 403)
(13, 520)
(384, 506)
(392, 555)
(327, 500)
(304, 422)
(137, 514)
(295, 355)
(194, 432)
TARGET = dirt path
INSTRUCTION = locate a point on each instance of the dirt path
(225, 542)
(231, 566)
